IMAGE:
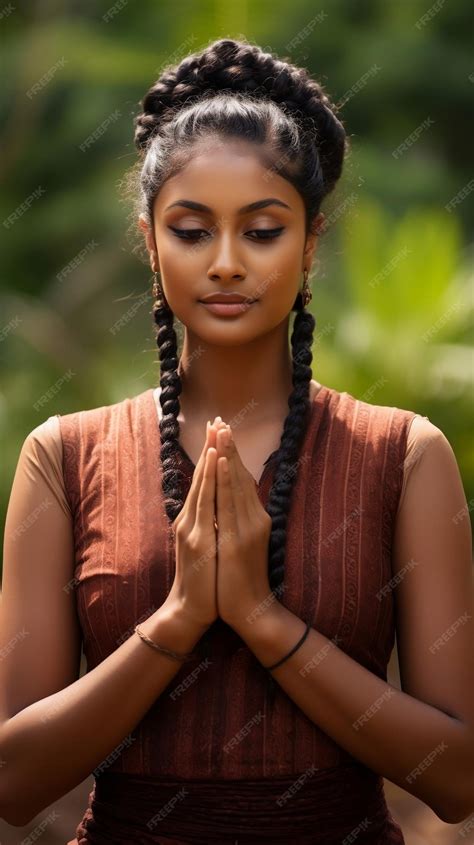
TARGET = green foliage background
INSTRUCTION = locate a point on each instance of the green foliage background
(392, 285)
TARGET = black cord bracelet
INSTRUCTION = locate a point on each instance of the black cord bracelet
(300, 642)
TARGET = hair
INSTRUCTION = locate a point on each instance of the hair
(233, 89)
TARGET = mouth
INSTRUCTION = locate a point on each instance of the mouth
(225, 298)
(228, 309)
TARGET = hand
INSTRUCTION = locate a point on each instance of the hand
(194, 585)
(243, 534)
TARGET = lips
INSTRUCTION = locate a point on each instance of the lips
(226, 298)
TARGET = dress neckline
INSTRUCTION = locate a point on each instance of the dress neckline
(268, 462)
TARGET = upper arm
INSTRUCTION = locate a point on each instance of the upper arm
(433, 595)
(40, 636)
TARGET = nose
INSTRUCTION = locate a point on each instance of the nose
(226, 263)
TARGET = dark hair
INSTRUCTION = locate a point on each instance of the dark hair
(234, 89)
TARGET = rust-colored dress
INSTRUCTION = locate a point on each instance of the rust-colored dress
(218, 763)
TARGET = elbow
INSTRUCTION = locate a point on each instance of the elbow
(457, 810)
(16, 816)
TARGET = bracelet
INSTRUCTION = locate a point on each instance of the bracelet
(279, 662)
(183, 657)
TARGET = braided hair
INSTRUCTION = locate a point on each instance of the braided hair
(235, 89)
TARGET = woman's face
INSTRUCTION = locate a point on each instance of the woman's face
(259, 253)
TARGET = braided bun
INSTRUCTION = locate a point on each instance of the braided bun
(239, 67)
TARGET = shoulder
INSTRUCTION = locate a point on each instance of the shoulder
(98, 423)
(427, 446)
(43, 444)
(39, 470)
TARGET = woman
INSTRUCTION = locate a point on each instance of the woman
(230, 545)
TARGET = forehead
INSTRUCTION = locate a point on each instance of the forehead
(226, 176)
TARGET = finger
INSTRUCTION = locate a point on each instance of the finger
(198, 473)
(238, 483)
(225, 503)
(199, 470)
(205, 508)
(246, 480)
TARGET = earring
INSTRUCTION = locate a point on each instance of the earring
(157, 291)
(306, 294)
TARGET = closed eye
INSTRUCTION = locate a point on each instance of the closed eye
(195, 234)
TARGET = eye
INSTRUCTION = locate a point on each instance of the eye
(189, 234)
(268, 234)
(201, 234)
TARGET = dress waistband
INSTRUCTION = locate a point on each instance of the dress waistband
(317, 807)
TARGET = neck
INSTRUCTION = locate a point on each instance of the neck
(246, 384)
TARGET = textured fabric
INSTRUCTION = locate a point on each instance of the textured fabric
(128, 809)
(102, 466)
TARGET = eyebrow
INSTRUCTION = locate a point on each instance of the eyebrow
(253, 206)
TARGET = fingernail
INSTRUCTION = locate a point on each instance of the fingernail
(218, 419)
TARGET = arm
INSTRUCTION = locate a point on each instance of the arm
(46, 712)
(421, 738)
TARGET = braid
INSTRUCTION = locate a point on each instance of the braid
(293, 432)
(170, 383)
(234, 89)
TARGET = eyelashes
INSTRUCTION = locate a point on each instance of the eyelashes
(195, 234)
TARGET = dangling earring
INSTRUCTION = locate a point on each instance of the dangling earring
(306, 294)
(158, 293)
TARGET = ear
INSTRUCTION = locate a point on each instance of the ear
(312, 240)
(149, 241)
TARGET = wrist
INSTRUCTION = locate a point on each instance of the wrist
(261, 620)
(172, 627)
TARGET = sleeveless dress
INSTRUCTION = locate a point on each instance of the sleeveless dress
(181, 777)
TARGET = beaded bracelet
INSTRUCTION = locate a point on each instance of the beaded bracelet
(279, 662)
(182, 657)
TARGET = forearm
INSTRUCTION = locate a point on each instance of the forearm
(70, 733)
(413, 744)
